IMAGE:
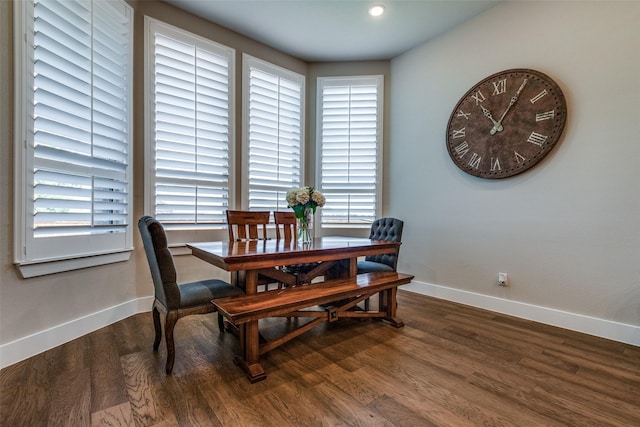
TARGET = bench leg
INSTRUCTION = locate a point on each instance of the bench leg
(248, 360)
(388, 304)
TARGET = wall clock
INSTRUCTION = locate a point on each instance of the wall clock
(506, 123)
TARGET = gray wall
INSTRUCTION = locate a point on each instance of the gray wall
(566, 232)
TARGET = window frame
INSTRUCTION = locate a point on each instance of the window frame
(181, 233)
(248, 62)
(355, 80)
(112, 247)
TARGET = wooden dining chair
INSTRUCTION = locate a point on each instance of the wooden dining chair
(247, 225)
(286, 225)
(172, 299)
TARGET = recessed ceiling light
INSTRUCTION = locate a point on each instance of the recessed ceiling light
(376, 10)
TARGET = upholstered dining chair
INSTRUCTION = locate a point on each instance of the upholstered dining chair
(247, 225)
(388, 229)
(172, 299)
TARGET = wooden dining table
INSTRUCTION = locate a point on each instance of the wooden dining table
(335, 257)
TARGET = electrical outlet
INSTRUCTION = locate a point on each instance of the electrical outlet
(503, 279)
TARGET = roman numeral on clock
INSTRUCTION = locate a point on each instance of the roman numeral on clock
(463, 114)
(545, 116)
(474, 161)
(538, 96)
(495, 164)
(537, 139)
(499, 87)
(457, 133)
(462, 149)
(479, 97)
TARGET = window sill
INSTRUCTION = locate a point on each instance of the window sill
(42, 268)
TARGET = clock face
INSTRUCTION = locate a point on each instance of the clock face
(506, 123)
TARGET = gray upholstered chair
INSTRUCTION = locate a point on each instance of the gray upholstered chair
(389, 229)
(174, 300)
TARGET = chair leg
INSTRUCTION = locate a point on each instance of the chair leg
(157, 327)
(170, 322)
(220, 322)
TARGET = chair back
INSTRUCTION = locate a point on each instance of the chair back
(388, 229)
(286, 225)
(163, 270)
(247, 225)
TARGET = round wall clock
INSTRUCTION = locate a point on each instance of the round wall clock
(506, 123)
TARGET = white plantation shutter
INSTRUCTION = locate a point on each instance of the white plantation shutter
(190, 127)
(273, 111)
(77, 170)
(350, 149)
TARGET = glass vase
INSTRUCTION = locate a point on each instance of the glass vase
(305, 227)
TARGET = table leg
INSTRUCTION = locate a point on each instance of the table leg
(353, 267)
(251, 282)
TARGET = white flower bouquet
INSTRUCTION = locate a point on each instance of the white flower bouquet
(304, 198)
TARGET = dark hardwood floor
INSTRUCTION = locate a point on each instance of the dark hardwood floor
(451, 365)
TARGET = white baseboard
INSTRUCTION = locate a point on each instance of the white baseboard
(629, 334)
(23, 348)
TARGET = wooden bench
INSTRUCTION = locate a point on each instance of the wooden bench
(334, 299)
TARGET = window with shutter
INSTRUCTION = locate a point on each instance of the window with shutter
(350, 149)
(73, 89)
(189, 127)
(273, 112)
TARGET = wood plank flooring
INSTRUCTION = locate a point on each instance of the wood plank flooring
(451, 365)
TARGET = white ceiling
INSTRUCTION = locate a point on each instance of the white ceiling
(337, 30)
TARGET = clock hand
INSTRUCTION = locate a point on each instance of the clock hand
(498, 126)
(487, 113)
